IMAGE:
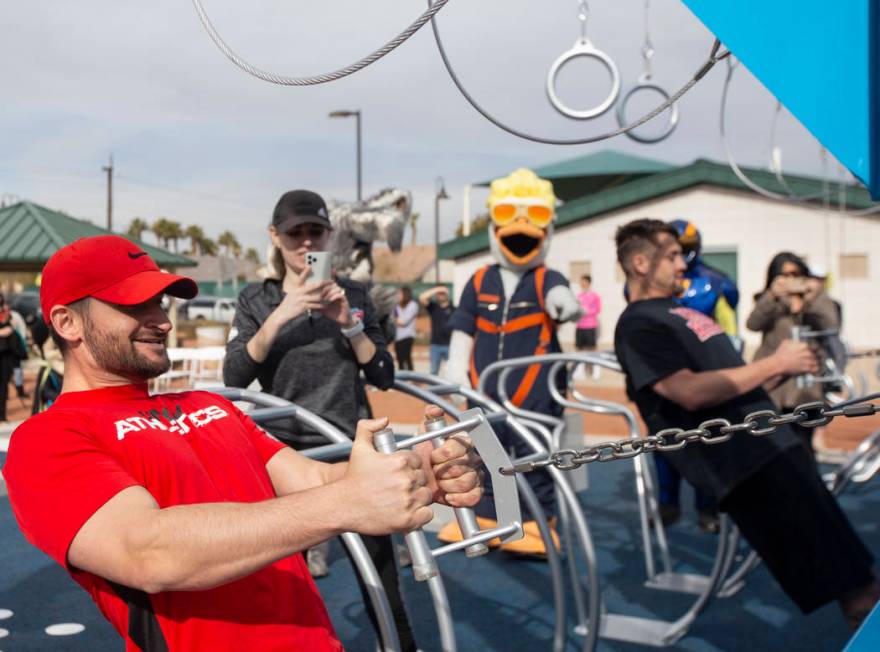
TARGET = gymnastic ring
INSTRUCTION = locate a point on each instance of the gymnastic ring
(640, 85)
(583, 48)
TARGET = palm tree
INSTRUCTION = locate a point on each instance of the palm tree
(208, 247)
(252, 255)
(230, 243)
(137, 227)
(160, 229)
(196, 235)
(175, 233)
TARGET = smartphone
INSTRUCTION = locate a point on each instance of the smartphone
(319, 262)
(797, 285)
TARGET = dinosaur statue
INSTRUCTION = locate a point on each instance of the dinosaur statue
(356, 226)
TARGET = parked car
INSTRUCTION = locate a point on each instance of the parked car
(209, 309)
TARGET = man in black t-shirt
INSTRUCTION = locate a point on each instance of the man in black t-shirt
(682, 370)
(436, 302)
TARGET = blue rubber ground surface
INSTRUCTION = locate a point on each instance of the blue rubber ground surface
(499, 603)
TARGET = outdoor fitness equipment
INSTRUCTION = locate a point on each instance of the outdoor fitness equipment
(433, 389)
(583, 48)
(433, 7)
(270, 408)
(472, 422)
(644, 631)
(644, 83)
(825, 338)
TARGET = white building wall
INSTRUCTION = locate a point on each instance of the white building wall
(756, 228)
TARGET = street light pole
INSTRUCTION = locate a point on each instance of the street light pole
(109, 170)
(357, 116)
(439, 194)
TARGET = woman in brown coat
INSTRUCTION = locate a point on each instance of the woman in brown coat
(791, 298)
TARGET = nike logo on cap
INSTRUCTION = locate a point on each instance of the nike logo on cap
(135, 256)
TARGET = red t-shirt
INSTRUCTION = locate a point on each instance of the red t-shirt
(193, 447)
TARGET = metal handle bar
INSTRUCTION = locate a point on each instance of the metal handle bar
(404, 381)
(801, 334)
(490, 450)
(359, 555)
(467, 519)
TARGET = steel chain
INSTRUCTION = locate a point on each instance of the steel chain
(714, 431)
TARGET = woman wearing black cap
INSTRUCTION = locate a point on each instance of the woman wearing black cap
(307, 341)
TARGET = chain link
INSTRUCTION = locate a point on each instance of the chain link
(711, 432)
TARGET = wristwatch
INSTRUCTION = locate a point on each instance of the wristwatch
(357, 329)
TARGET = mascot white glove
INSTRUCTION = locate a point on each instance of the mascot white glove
(561, 304)
(460, 346)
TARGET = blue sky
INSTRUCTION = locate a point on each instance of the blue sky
(197, 140)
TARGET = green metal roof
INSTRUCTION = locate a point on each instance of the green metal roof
(30, 234)
(656, 185)
(594, 172)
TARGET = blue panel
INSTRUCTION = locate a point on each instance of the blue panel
(867, 639)
(818, 59)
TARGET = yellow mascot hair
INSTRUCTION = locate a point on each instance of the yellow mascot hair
(522, 183)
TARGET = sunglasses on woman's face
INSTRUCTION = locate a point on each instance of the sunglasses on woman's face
(313, 232)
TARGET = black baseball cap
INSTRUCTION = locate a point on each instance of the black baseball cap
(300, 207)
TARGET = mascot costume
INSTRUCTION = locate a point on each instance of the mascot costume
(706, 289)
(512, 309)
(713, 293)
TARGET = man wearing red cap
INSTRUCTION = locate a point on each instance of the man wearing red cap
(180, 517)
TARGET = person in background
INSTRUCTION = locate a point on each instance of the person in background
(8, 356)
(706, 288)
(587, 327)
(405, 313)
(308, 342)
(436, 302)
(791, 298)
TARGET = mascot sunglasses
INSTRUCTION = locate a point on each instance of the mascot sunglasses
(506, 211)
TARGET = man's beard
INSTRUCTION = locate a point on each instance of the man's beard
(119, 356)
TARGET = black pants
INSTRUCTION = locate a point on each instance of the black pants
(7, 363)
(403, 350)
(794, 523)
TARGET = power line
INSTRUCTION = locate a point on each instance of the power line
(192, 193)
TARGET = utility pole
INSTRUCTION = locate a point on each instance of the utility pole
(109, 170)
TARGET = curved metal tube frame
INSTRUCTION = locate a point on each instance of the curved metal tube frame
(359, 556)
(668, 632)
(566, 494)
(430, 395)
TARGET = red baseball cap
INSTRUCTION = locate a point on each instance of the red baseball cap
(110, 268)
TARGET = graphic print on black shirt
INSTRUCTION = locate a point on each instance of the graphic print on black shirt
(656, 338)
